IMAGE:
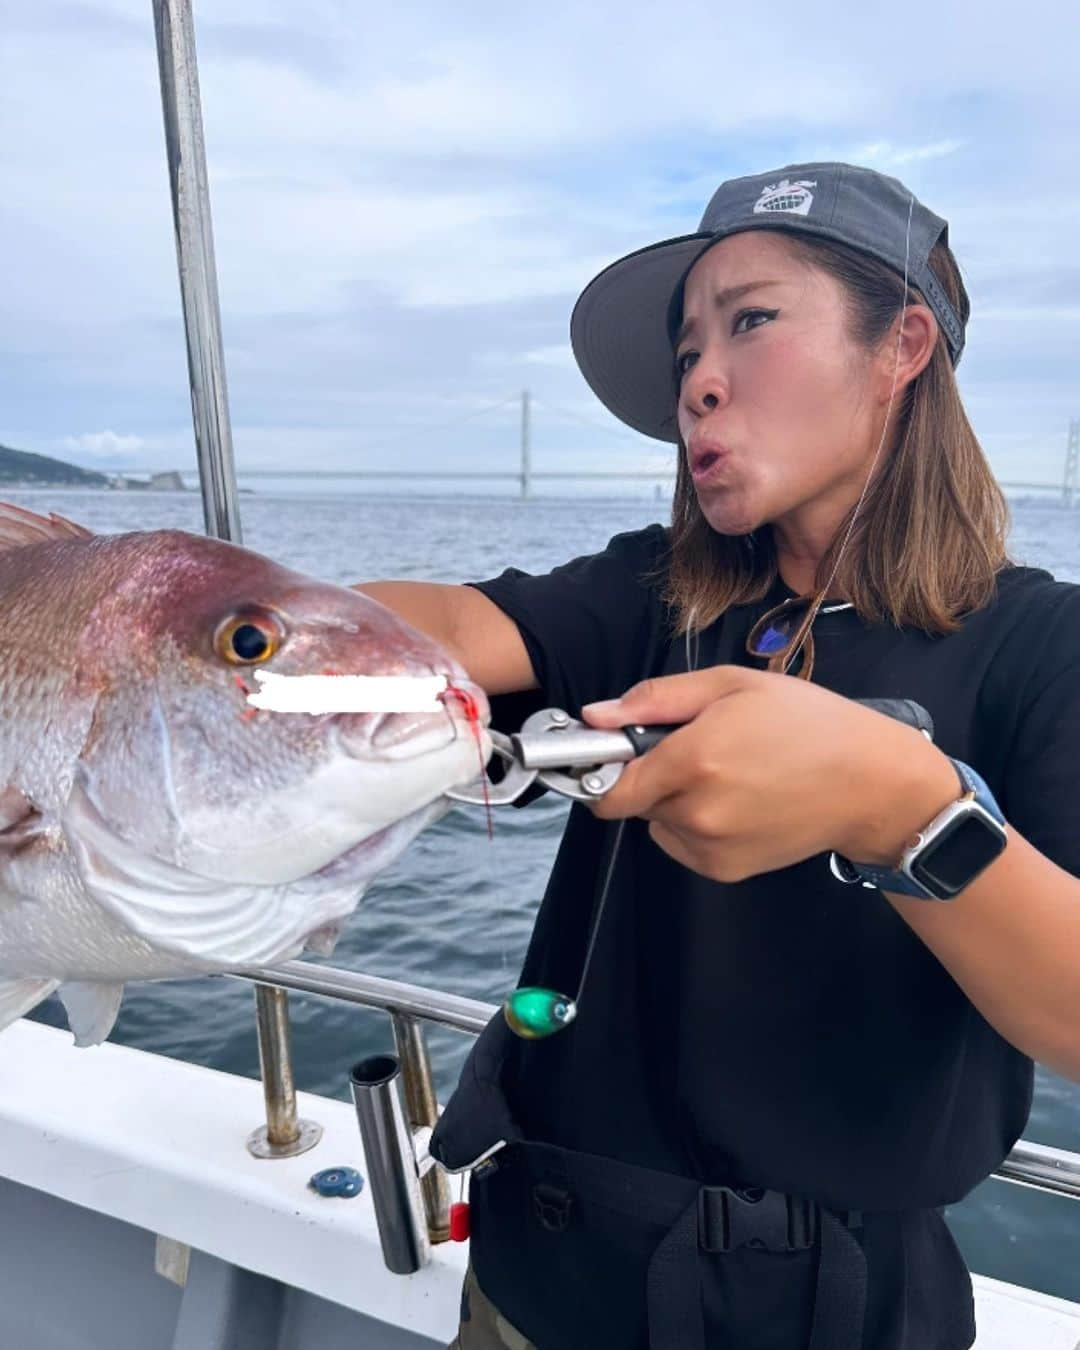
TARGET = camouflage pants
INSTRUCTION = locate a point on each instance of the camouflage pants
(483, 1327)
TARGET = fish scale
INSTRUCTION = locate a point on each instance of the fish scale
(169, 828)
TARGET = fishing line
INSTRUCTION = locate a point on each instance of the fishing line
(533, 1012)
(472, 717)
(692, 634)
(807, 623)
(693, 644)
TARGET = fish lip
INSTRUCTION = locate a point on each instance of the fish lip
(398, 736)
(395, 736)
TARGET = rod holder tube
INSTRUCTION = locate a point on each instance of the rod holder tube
(422, 1112)
(391, 1163)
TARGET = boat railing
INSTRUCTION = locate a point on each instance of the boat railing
(1040, 1166)
(409, 1006)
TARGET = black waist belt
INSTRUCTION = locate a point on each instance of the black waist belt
(715, 1219)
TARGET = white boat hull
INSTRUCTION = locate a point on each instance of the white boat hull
(104, 1150)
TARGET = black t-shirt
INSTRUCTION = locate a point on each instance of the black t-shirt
(789, 1031)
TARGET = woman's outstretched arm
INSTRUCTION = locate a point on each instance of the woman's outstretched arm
(469, 625)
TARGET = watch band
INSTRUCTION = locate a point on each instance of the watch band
(976, 798)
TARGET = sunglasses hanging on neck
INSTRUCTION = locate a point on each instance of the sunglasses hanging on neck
(784, 637)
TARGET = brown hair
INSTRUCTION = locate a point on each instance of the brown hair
(931, 534)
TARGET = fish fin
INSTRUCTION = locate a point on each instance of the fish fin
(322, 941)
(19, 527)
(91, 1008)
(19, 996)
(20, 820)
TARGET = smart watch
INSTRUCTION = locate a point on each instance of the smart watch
(948, 854)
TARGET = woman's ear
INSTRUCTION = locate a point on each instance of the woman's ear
(907, 358)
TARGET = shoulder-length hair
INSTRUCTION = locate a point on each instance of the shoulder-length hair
(931, 534)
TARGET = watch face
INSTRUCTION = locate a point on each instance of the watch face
(960, 852)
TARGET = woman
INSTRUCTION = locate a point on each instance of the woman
(777, 1079)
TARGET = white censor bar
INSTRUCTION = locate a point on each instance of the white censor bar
(317, 694)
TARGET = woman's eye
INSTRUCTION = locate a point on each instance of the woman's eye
(752, 314)
(683, 362)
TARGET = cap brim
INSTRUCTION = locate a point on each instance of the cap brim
(619, 333)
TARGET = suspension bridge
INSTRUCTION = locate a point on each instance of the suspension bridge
(525, 475)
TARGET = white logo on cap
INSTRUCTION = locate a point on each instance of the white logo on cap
(785, 196)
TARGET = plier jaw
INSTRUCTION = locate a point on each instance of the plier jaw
(514, 783)
(557, 751)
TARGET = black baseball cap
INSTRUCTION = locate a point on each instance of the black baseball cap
(623, 324)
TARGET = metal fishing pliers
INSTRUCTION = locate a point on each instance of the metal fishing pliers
(554, 750)
(557, 751)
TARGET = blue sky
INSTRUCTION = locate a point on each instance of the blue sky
(408, 198)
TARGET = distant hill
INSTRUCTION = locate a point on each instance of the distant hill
(18, 466)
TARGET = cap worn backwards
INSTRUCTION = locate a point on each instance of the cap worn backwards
(621, 331)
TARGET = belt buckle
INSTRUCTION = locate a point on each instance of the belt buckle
(749, 1216)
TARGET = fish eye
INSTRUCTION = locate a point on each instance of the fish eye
(249, 639)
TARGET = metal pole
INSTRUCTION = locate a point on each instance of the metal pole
(1043, 1168)
(283, 1135)
(213, 442)
(422, 1109)
(373, 991)
(526, 447)
(195, 257)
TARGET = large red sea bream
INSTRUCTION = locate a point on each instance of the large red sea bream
(153, 823)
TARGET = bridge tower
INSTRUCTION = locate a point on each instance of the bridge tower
(1071, 486)
(526, 446)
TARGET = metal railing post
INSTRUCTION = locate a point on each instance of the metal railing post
(422, 1110)
(178, 69)
(284, 1135)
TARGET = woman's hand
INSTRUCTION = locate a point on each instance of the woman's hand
(769, 770)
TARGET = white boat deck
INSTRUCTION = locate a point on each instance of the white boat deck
(161, 1144)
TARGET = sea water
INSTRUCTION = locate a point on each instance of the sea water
(455, 912)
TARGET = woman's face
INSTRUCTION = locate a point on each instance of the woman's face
(774, 403)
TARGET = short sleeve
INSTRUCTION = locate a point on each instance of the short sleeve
(1041, 796)
(590, 625)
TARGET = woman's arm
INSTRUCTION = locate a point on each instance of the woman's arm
(1011, 941)
(469, 625)
(772, 770)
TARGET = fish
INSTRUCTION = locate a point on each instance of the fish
(154, 822)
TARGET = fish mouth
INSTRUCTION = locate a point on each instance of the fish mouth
(464, 715)
(335, 825)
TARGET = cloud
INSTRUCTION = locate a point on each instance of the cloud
(408, 198)
(104, 444)
(882, 154)
(558, 354)
(1037, 314)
